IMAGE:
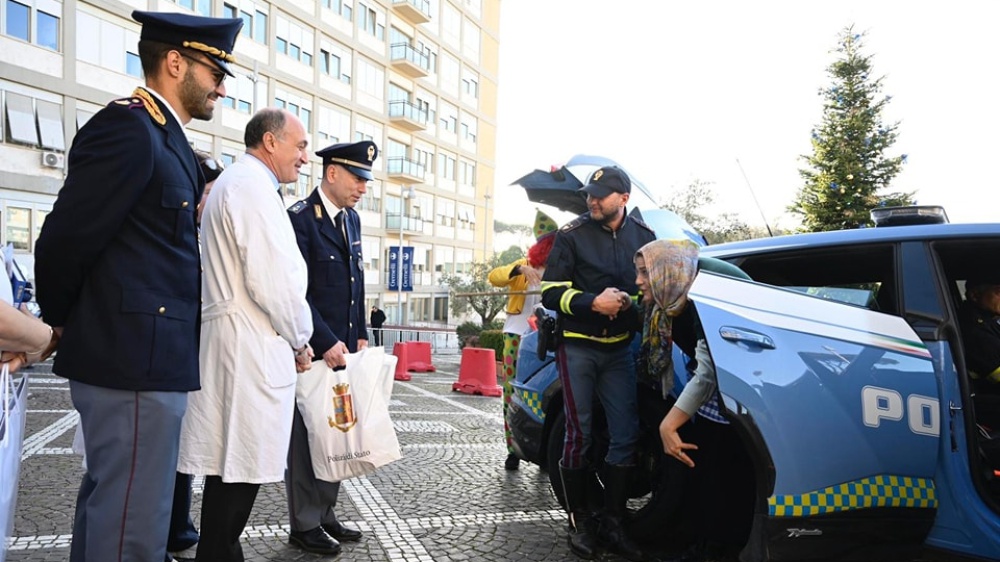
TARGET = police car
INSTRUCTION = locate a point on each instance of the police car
(842, 368)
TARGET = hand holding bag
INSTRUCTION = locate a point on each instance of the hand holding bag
(346, 413)
(13, 403)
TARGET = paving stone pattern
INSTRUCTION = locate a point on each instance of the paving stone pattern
(448, 500)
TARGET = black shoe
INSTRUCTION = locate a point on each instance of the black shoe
(342, 533)
(315, 541)
(512, 462)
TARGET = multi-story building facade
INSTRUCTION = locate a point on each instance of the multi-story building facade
(419, 77)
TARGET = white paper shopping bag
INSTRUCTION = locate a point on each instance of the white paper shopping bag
(346, 413)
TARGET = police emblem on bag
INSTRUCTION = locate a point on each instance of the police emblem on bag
(343, 409)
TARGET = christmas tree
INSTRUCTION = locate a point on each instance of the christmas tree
(849, 167)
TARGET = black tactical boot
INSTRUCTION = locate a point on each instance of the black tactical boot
(582, 525)
(612, 532)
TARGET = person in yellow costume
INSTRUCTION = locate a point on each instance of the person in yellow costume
(521, 277)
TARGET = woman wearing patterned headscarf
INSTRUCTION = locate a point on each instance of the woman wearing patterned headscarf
(714, 504)
(520, 278)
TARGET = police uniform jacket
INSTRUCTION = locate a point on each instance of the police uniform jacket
(336, 274)
(585, 259)
(981, 340)
(117, 262)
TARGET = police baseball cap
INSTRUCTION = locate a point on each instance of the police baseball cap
(357, 157)
(213, 36)
(607, 180)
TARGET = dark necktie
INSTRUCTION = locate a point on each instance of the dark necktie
(339, 222)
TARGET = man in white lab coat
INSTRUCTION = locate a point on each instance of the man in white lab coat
(255, 329)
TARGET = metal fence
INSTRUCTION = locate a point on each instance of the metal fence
(442, 341)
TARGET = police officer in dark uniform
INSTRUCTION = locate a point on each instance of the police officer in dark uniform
(590, 281)
(979, 321)
(118, 274)
(328, 230)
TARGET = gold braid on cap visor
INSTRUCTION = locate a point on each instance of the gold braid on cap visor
(350, 163)
(215, 52)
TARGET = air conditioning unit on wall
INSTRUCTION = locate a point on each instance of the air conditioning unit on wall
(53, 160)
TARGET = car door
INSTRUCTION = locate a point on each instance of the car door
(840, 409)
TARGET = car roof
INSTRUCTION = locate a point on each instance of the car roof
(856, 236)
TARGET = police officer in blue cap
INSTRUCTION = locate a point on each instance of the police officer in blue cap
(117, 274)
(328, 231)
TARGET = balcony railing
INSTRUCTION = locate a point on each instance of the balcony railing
(409, 61)
(407, 115)
(405, 169)
(415, 11)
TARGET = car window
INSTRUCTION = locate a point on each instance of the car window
(862, 294)
(861, 275)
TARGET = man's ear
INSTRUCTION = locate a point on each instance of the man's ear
(171, 64)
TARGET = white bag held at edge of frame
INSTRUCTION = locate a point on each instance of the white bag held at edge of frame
(346, 413)
(13, 403)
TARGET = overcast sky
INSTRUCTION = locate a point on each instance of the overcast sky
(678, 91)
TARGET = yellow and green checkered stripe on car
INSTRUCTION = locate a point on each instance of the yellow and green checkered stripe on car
(877, 491)
(533, 401)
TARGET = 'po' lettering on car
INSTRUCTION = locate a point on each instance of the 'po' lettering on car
(922, 413)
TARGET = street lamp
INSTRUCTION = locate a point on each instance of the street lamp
(407, 193)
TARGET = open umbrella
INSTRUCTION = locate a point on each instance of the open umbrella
(560, 187)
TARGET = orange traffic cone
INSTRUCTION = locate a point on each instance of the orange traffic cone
(400, 351)
(477, 373)
(419, 353)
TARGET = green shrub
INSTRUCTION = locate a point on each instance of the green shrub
(492, 339)
(467, 332)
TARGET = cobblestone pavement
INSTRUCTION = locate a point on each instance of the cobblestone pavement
(448, 500)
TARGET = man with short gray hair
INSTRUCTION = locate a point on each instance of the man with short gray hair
(255, 329)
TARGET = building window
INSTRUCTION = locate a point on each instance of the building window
(368, 21)
(446, 166)
(297, 105)
(260, 27)
(26, 117)
(294, 41)
(202, 7)
(467, 173)
(448, 115)
(47, 30)
(299, 189)
(440, 309)
(18, 230)
(20, 119)
(18, 20)
(335, 60)
(371, 78)
(254, 18)
(240, 93)
(50, 125)
(339, 7)
(372, 199)
(107, 44)
(34, 21)
(470, 87)
(22, 222)
(370, 254)
(333, 125)
(133, 66)
(469, 128)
